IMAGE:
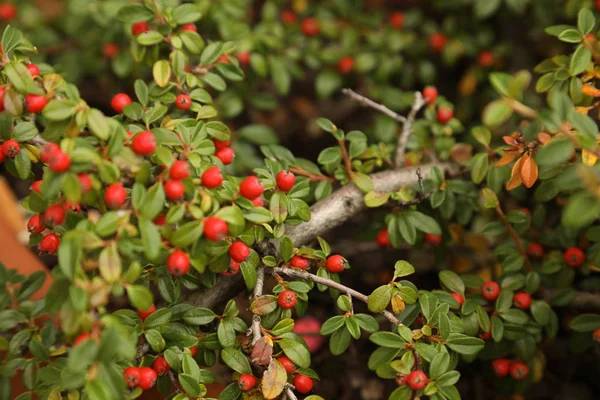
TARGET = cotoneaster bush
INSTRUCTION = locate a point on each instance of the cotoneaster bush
(156, 236)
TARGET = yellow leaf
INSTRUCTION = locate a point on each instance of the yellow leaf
(274, 380)
(588, 157)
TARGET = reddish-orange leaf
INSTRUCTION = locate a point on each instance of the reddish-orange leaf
(543, 137)
(515, 176)
(506, 158)
(529, 171)
(262, 351)
(511, 141)
(590, 91)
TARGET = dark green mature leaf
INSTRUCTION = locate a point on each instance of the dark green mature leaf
(452, 281)
(295, 351)
(557, 151)
(585, 323)
(380, 298)
(464, 344)
(236, 360)
(339, 342)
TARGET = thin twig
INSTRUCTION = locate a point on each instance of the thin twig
(258, 291)
(311, 177)
(174, 382)
(345, 158)
(514, 236)
(370, 103)
(142, 349)
(407, 129)
(289, 392)
(294, 273)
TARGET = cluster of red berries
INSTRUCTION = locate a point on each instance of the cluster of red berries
(57, 160)
(302, 383)
(518, 370)
(144, 377)
(52, 217)
(224, 152)
(34, 103)
(238, 253)
(491, 290)
(416, 380)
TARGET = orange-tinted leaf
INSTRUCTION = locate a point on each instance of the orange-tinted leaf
(529, 171)
(590, 91)
(588, 157)
(543, 137)
(273, 381)
(515, 176)
(506, 158)
(510, 140)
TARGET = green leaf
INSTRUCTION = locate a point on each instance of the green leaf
(557, 151)
(158, 318)
(327, 83)
(439, 365)
(403, 268)
(151, 239)
(110, 264)
(363, 181)
(134, 13)
(379, 299)
(485, 8)
(23, 164)
(387, 339)
(580, 60)
(586, 20)
(214, 81)
(464, 344)
(98, 124)
(153, 201)
(479, 167)
(187, 234)
(139, 297)
(423, 222)
(161, 72)
(496, 113)
(585, 323)
(376, 199)
(340, 341)
(570, 36)
(452, 281)
(296, 352)
(186, 13)
(584, 124)
(541, 312)
(189, 384)
(59, 110)
(581, 210)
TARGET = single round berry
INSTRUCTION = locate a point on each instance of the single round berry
(85, 182)
(310, 26)
(574, 257)
(226, 155)
(246, 382)
(287, 364)
(239, 252)
(596, 335)
(193, 350)
(2, 90)
(486, 58)
(8, 11)
(138, 28)
(35, 102)
(383, 238)
(490, 290)
(148, 378)
(47, 150)
(303, 383)
(174, 190)
(189, 27)
(119, 102)
(460, 299)
(433, 239)
(34, 225)
(11, 148)
(215, 229)
(535, 250)
(160, 366)
(145, 314)
(522, 300)
(233, 269)
(309, 328)
(144, 143)
(33, 69)
(161, 220)
(180, 170)
(486, 335)
(72, 207)
(49, 244)
(346, 65)
(110, 50)
(288, 17)
(258, 202)
(212, 178)
(251, 187)
(397, 20)
(300, 262)
(416, 380)
(115, 196)
(287, 299)
(430, 94)
(243, 57)
(37, 186)
(81, 338)
(178, 263)
(224, 59)
(285, 180)
(519, 370)
(444, 114)
(132, 376)
(336, 263)
(437, 42)
(183, 102)
(59, 161)
(220, 145)
(54, 215)
(501, 367)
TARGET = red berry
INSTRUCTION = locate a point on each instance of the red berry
(243, 57)
(336, 263)
(287, 364)
(239, 252)
(81, 338)
(525, 210)
(110, 50)
(574, 257)
(300, 262)
(37, 186)
(460, 299)
(160, 366)
(490, 290)
(1, 95)
(501, 367)
(59, 161)
(144, 143)
(49, 244)
(287, 299)
(119, 102)
(132, 376)
(233, 269)
(258, 202)
(596, 335)
(310, 26)
(437, 42)
(148, 378)
(35, 102)
(178, 263)
(288, 17)
(397, 20)
(193, 350)
(8, 11)
(174, 190)
(383, 238)
(115, 196)
(519, 370)
(246, 382)
(430, 94)
(11, 148)
(444, 114)
(189, 27)
(486, 58)
(303, 383)
(486, 335)
(251, 187)
(161, 220)
(138, 28)
(183, 102)
(417, 380)
(85, 182)
(285, 181)
(180, 170)
(215, 229)
(346, 65)
(212, 178)
(34, 225)
(72, 207)
(54, 215)
(226, 155)
(433, 239)
(522, 300)
(535, 250)
(309, 328)
(145, 314)
(33, 70)
(47, 150)
(219, 145)
(224, 59)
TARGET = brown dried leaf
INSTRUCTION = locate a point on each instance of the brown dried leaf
(515, 175)
(398, 304)
(273, 381)
(529, 171)
(263, 305)
(262, 351)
